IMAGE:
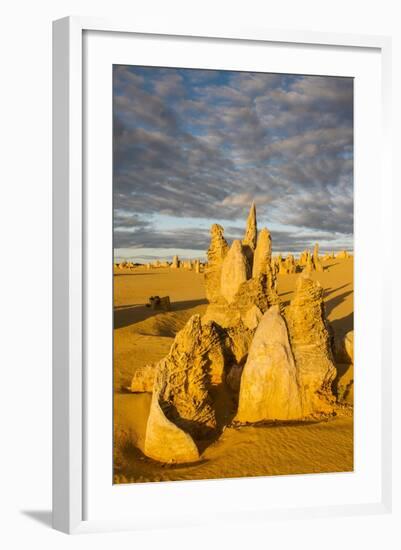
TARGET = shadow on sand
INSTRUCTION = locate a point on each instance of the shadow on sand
(135, 313)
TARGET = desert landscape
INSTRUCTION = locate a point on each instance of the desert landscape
(239, 365)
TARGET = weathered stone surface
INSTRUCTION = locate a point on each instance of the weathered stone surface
(343, 348)
(317, 264)
(197, 266)
(288, 266)
(216, 253)
(260, 291)
(263, 253)
(176, 262)
(143, 379)
(308, 265)
(165, 441)
(184, 377)
(343, 255)
(252, 317)
(344, 383)
(269, 385)
(234, 271)
(222, 314)
(237, 342)
(251, 234)
(310, 344)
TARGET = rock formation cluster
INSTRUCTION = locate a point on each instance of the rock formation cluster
(276, 363)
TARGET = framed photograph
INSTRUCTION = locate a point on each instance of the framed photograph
(219, 336)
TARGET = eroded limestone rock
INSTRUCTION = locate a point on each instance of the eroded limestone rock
(164, 440)
(270, 388)
(317, 264)
(216, 253)
(343, 348)
(143, 379)
(310, 344)
(263, 253)
(251, 234)
(234, 271)
(184, 377)
(176, 262)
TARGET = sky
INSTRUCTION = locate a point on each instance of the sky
(195, 147)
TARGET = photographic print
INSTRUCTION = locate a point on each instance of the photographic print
(233, 274)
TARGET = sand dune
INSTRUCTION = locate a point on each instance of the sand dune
(142, 336)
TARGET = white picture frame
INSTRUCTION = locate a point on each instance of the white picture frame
(69, 253)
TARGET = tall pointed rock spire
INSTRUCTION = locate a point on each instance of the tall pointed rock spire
(251, 231)
(251, 235)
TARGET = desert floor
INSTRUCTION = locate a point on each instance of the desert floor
(142, 336)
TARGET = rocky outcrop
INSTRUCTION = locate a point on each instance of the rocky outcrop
(165, 441)
(343, 350)
(310, 344)
(260, 291)
(184, 377)
(270, 388)
(251, 234)
(289, 370)
(308, 265)
(288, 266)
(317, 264)
(216, 253)
(343, 347)
(182, 408)
(234, 271)
(143, 379)
(237, 341)
(263, 253)
(176, 262)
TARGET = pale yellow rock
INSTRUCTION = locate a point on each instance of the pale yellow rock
(165, 441)
(238, 339)
(252, 317)
(310, 344)
(176, 262)
(344, 347)
(251, 234)
(251, 231)
(263, 252)
(216, 253)
(234, 271)
(269, 385)
(309, 265)
(184, 377)
(344, 383)
(317, 264)
(349, 345)
(143, 379)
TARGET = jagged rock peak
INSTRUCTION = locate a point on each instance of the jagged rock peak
(216, 253)
(251, 231)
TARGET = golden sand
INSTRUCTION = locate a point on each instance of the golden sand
(142, 335)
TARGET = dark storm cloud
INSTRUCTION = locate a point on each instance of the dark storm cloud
(204, 144)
